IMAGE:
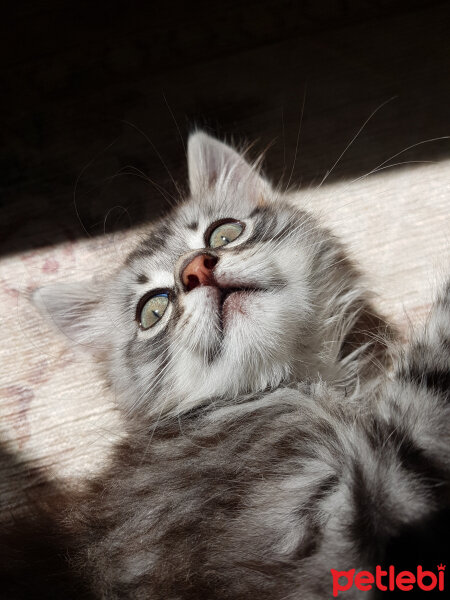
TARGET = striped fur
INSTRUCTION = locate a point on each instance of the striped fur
(263, 453)
(262, 498)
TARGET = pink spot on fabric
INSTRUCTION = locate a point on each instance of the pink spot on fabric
(10, 291)
(50, 266)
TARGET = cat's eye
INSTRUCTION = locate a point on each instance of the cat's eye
(151, 309)
(223, 232)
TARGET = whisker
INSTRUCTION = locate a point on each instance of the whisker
(176, 124)
(298, 139)
(156, 152)
(80, 174)
(328, 173)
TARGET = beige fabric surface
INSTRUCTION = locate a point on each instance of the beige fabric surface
(54, 409)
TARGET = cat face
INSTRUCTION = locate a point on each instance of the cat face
(219, 300)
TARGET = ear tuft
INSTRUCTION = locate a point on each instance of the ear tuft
(212, 163)
(76, 310)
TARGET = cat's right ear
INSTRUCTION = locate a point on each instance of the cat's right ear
(212, 163)
(78, 311)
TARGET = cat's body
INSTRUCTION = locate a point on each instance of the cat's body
(267, 442)
(263, 499)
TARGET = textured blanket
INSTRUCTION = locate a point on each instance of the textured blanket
(54, 408)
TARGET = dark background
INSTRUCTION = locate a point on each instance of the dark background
(97, 98)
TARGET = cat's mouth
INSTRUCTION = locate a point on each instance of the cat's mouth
(235, 300)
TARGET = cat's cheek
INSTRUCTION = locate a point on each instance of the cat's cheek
(271, 326)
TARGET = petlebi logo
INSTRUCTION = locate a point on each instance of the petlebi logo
(388, 579)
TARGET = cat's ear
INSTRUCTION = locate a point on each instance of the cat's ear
(212, 163)
(78, 311)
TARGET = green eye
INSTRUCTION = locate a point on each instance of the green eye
(225, 233)
(153, 309)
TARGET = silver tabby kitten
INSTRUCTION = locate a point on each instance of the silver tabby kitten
(267, 443)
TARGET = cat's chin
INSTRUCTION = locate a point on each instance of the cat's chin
(236, 302)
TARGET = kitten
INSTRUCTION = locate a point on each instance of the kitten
(267, 442)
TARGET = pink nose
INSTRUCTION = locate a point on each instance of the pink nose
(199, 271)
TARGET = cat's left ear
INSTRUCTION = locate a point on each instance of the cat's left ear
(78, 311)
(214, 164)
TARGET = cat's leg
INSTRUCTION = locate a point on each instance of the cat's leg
(399, 468)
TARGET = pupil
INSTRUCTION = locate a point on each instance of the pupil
(224, 239)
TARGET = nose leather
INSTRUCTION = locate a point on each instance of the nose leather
(199, 271)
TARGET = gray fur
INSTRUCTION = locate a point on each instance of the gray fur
(263, 452)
